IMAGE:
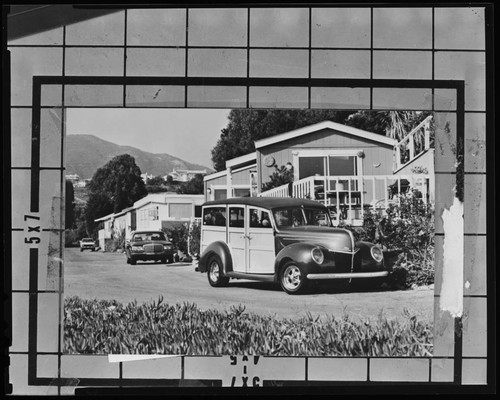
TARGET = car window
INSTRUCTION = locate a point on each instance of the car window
(259, 218)
(317, 217)
(297, 216)
(236, 217)
(283, 217)
(289, 217)
(215, 216)
(149, 236)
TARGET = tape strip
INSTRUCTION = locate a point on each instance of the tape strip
(114, 358)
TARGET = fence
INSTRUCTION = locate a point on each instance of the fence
(348, 197)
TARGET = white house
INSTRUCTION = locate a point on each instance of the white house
(155, 211)
(185, 175)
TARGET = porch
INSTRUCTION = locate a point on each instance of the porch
(348, 197)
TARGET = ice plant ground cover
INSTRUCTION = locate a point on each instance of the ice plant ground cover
(109, 327)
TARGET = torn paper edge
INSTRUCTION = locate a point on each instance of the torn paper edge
(451, 296)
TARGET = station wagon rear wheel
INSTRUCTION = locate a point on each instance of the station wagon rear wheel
(293, 279)
(214, 273)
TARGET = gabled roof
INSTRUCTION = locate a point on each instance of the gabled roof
(234, 162)
(215, 175)
(241, 160)
(324, 125)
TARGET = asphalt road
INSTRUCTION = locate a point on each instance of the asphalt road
(91, 275)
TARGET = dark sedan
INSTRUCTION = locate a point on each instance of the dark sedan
(149, 246)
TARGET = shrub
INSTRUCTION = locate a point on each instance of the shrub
(406, 230)
(116, 243)
(194, 239)
(108, 327)
(185, 238)
(178, 236)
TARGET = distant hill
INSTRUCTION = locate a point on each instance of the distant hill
(86, 153)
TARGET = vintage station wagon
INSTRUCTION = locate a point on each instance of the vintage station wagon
(285, 240)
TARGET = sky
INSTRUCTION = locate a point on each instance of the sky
(189, 134)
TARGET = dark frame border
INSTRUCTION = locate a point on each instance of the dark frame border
(39, 81)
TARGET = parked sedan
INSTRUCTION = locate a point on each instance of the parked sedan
(149, 245)
(285, 240)
(87, 244)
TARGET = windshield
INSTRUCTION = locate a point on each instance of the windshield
(298, 216)
(149, 236)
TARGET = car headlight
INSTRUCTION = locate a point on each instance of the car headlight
(377, 254)
(137, 248)
(166, 247)
(317, 255)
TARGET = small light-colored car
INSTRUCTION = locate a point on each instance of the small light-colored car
(285, 240)
(147, 246)
(87, 244)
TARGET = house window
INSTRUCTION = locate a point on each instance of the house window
(310, 166)
(241, 192)
(342, 165)
(153, 213)
(179, 210)
(220, 194)
(197, 211)
(328, 163)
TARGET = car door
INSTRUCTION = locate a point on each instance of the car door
(260, 241)
(236, 237)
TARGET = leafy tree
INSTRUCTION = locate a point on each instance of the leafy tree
(156, 184)
(98, 205)
(281, 176)
(155, 181)
(393, 124)
(246, 126)
(70, 205)
(115, 186)
(194, 186)
(120, 181)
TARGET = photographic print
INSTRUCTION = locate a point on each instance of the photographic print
(170, 257)
(215, 197)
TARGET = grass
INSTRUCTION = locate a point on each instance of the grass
(109, 327)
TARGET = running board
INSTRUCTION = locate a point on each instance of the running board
(256, 277)
(349, 275)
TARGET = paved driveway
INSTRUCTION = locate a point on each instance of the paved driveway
(101, 275)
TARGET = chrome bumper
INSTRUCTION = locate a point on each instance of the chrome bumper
(349, 275)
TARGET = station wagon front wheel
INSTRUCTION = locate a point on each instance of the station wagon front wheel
(293, 279)
(214, 273)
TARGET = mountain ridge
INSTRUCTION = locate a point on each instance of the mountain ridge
(86, 153)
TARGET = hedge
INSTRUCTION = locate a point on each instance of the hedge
(109, 327)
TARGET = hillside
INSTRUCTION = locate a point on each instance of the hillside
(86, 153)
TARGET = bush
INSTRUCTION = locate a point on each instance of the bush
(116, 243)
(185, 238)
(108, 327)
(194, 239)
(406, 230)
(178, 236)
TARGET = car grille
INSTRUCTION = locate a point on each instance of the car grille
(153, 248)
